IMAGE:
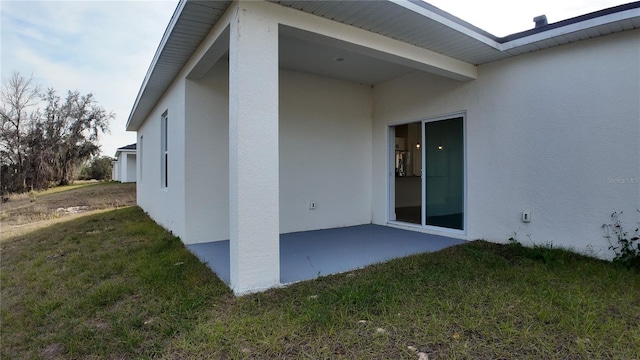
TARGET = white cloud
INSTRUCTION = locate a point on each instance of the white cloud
(102, 47)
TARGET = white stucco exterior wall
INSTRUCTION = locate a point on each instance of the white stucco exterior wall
(207, 156)
(164, 205)
(325, 152)
(549, 132)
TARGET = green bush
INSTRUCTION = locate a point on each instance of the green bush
(625, 246)
(99, 169)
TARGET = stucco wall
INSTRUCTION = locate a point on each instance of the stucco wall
(552, 132)
(325, 152)
(207, 156)
(164, 205)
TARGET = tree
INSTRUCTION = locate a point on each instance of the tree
(18, 95)
(48, 145)
(74, 128)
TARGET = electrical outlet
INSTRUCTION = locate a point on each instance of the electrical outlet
(312, 205)
(526, 216)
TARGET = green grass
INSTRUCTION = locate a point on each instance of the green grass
(112, 283)
(115, 285)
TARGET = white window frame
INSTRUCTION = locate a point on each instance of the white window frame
(164, 150)
(139, 155)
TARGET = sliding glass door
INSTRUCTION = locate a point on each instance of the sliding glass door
(428, 181)
(444, 173)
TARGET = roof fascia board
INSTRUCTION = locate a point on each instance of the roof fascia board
(378, 45)
(570, 28)
(450, 21)
(126, 151)
(163, 42)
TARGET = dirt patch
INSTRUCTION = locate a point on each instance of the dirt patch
(53, 351)
(72, 210)
(23, 213)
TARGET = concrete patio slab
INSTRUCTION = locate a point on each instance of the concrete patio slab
(309, 254)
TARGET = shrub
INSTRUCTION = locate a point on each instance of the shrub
(98, 168)
(625, 246)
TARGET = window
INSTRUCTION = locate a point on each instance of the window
(140, 158)
(164, 150)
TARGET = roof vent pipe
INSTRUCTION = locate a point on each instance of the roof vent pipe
(540, 21)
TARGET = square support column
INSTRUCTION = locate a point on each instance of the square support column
(124, 165)
(253, 151)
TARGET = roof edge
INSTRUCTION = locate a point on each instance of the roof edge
(126, 149)
(132, 126)
(436, 10)
(430, 11)
(570, 21)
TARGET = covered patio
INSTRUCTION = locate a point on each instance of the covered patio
(308, 254)
(284, 143)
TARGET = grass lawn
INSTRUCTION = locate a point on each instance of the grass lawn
(115, 285)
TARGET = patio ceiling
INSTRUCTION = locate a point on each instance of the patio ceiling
(315, 54)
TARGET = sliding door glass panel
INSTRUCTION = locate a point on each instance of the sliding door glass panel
(444, 173)
(407, 180)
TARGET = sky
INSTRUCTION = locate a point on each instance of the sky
(105, 47)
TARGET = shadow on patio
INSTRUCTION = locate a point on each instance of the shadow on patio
(309, 254)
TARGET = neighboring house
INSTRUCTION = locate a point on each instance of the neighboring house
(258, 118)
(124, 167)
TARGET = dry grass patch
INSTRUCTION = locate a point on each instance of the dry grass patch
(26, 212)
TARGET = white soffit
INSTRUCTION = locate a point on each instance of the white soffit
(411, 21)
(190, 24)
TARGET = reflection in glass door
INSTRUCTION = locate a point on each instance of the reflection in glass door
(443, 179)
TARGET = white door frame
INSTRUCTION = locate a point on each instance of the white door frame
(391, 216)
